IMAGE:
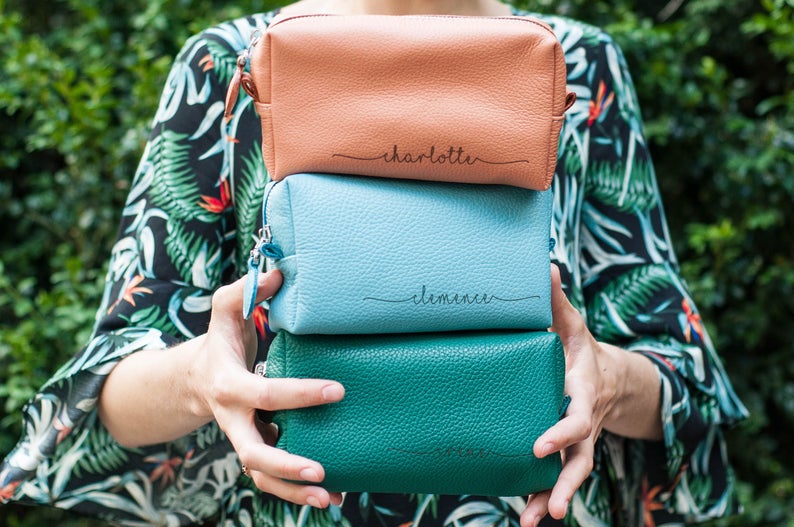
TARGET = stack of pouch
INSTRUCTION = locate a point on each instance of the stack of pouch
(413, 239)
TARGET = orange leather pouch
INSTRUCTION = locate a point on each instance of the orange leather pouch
(460, 99)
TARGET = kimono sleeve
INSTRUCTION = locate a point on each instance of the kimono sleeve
(174, 248)
(634, 296)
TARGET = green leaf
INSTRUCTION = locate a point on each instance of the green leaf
(248, 202)
(101, 453)
(609, 183)
(174, 188)
(623, 299)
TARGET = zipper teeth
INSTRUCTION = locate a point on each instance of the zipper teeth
(265, 200)
(297, 17)
(529, 19)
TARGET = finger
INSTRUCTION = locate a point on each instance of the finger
(537, 507)
(252, 391)
(244, 389)
(284, 394)
(311, 495)
(577, 468)
(565, 433)
(268, 284)
(576, 426)
(240, 426)
(260, 457)
(336, 498)
(227, 301)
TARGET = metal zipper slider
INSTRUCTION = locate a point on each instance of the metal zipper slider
(267, 248)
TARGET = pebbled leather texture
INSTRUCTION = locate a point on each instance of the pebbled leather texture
(444, 98)
(375, 255)
(453, 413)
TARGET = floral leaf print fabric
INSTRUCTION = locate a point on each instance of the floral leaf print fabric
(186, 229)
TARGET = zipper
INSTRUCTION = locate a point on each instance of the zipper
(263, 247)
(244, 79)
(525, 18)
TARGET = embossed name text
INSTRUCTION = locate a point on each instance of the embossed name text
(449, 299)
(462, 452)
(451, 156)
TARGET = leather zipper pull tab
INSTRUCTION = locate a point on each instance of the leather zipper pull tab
(267, 248)
(241, 78)
(252, 279)
(570, 98)
(264, 247)
(234, 86)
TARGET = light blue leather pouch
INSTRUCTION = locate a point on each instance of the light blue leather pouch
(373, 255)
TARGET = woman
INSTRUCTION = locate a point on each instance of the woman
(135, 428)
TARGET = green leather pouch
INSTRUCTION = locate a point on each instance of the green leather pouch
(448, 413)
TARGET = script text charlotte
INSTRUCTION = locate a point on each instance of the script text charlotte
(452, 156)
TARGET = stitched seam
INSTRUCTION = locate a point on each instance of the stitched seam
(552, 160)
(270, 101)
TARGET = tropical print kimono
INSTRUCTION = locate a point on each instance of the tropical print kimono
(187, 228)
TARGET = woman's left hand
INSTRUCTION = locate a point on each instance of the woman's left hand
(591, 382)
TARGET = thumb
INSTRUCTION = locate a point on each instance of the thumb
(227, 301)
(226, 320)
(257, 287)
(566, 320)
(268, 284)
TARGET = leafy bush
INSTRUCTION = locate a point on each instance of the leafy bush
(81, 79)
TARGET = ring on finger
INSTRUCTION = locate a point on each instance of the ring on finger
(260, 368)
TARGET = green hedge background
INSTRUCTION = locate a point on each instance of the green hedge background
(80, 81)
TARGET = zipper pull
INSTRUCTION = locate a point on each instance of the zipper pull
(252, 279)
(264, 246)
(267, 248)
(241, 78)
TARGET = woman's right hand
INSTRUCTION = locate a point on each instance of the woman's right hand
(158, 395)
(229, 392)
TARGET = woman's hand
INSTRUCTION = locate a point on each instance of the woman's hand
(231, 394)
(610, 388)
(155, 396)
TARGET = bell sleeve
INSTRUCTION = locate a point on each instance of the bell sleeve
(175, 246)
(628, 285)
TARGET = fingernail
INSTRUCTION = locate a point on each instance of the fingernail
(536, 521)
(314, 502)
(333, 392)
(548, 448)
(309, 474)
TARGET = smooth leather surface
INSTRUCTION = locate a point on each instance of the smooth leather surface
(444, 98)
(374, 255)
(450, 413)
